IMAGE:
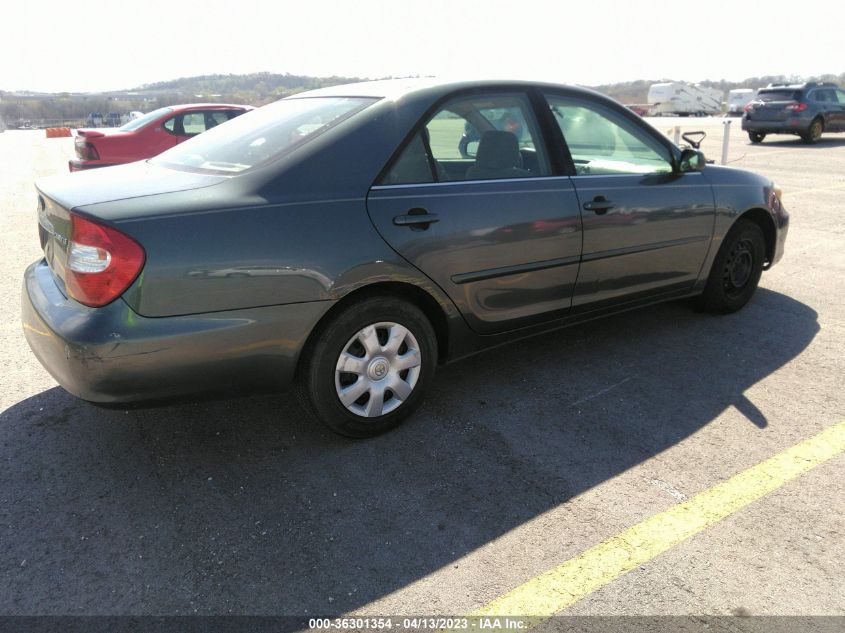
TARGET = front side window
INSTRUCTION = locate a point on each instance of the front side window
(261, 135)
(602, 141)
(482, 137)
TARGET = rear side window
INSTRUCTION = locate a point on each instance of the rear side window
(825, 95)
(261, 135)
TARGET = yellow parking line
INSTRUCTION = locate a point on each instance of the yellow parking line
(561, 587)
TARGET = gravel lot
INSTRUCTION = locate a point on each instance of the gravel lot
(521, 458)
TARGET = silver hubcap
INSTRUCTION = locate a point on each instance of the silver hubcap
(377, 369)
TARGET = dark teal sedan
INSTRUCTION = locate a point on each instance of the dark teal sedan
(340, 240)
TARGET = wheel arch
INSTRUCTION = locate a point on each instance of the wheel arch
(763, 219)
(421, 298)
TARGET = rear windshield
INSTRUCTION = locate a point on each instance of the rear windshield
(259, 136)
(779, 95)
(137, 124)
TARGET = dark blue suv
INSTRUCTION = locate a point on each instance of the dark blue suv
(803, 109)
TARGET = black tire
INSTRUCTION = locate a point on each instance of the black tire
(317, 375)
(756, 137)
(814, 132)
(736, 270)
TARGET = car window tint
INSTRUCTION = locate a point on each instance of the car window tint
(213, 119)
(778, 95)
(483, 137)
(170, 125)
(486, 137)
(412, 166)
(193, 123)
(602, 141)
(145, 119)
(261, 135)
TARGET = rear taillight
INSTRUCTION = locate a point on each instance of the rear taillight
(748, 108)
(86, 151)
(102, 262)
(796, 107)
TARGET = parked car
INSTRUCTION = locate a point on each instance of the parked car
(738, 98)
(381, 251)
(807, 109)
(146, 136)
(112, 119)
(95, 119)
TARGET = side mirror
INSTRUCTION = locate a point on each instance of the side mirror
(691, 160)
(472, 149)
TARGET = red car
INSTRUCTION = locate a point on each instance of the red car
(149, 135)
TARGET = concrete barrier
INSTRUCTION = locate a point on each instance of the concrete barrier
(58, 132)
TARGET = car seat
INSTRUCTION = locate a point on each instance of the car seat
(498, 157)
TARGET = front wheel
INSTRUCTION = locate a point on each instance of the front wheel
(736, 270)
(369, 366)
(756, 137)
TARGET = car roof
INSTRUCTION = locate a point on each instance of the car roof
(398, 88)
(207, 106)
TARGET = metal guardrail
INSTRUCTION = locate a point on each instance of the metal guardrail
(40, 124)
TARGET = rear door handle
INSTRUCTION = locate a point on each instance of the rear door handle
(599, 205)
(421, 219)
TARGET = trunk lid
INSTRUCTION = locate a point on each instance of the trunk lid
(120, 182)
(771, 111)
(771, 105)
(58, 196)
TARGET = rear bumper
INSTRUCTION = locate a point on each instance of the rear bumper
(112, 354)
(790, 126)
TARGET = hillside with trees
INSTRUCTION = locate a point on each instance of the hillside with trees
(259, 89)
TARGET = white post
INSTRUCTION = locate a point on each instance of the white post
(726, 139)
(677, 135)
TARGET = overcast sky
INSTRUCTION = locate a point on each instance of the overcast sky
(80, 45)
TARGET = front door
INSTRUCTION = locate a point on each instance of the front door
(472, 203)
(646, 228)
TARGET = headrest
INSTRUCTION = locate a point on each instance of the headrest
(498, 150)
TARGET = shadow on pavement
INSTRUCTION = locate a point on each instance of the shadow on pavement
(244, 506)
(785, 140)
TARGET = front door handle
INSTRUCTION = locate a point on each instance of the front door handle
(416, 218)
(599, 205)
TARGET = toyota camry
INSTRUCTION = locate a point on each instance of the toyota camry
(346, 241)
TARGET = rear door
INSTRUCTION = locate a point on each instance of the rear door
(485, 220)
(646, 228)
(838, 110)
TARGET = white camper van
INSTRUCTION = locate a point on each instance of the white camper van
(738, 98)
(676, 98)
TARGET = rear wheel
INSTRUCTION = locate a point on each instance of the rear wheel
(756, 137)
(736, 270)
(814, 133)
(369, 366)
